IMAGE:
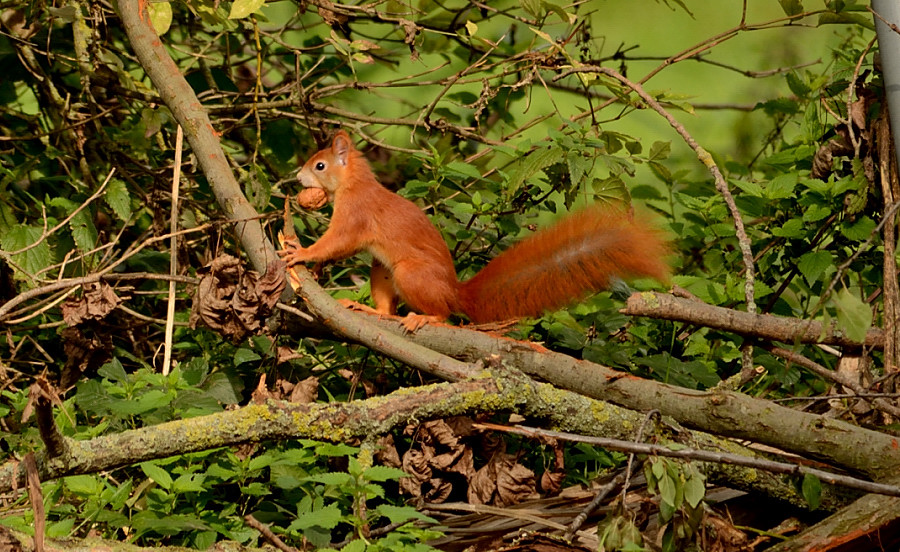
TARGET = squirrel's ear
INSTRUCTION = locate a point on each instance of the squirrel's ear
(341, 146)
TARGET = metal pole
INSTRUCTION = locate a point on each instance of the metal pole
(889, 46)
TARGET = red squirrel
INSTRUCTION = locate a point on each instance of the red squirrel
(412, 263)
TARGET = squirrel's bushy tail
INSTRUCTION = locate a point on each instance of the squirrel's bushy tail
(577, 256)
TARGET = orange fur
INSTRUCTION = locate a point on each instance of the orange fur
(563, 263)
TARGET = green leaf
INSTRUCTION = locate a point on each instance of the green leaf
(242, 8)
(578, 165)
(399, 514)
(358, 545)
(694, 490)
(188, 482)
(668, 490)
(751, 188)
(84, 485)
(160, 16)
(814, 263)
(118, 198)
(659, 151)
(384, 473)
(815, 213)
(792, 228)
(566, 17)
(160, 476)
(812, 491)
(166, 524)
(858, 230)
(61, 529)
(81, 225)
(151, 400)
(797, 85)
(531, 164)
(244, 354)
(331, 449)
(205, 539)
(326, 518)
(533, 7)
(791, 7)
(32, 261)
(113, 371)
(91, 397)
(335, 479)
(854, 316)
(463, 169)
(782, 186)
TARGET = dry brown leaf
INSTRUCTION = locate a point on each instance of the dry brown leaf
(824, 158)
(234, 301)
(410, 31)
(415, 464)
(386, 452)
(8, 541)
(330, 17)
(261, 394)
(515, 483)
(286, 354)
(305, 391)
(502, 482)
(36, 497)
(483, 485)
(83, 353)
(97, 301)
(728, 538)
(551, 481)
(437, 490)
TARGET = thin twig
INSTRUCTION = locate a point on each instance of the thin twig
(173, 254)
(715, 457)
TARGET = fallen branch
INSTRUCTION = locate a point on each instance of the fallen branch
(761, 326)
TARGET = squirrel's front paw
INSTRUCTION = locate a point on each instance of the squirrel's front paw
(292, 253)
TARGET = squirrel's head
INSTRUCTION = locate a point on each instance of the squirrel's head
(329, 168)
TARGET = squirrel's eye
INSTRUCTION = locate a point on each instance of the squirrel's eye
(320, 166)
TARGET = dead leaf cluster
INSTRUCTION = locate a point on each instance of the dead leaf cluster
(97, 301)
(84, 347)
(235, 301)
(442, 464)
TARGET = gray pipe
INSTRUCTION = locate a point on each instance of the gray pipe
(889, 46)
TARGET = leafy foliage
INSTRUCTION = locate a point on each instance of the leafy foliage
(463, 112)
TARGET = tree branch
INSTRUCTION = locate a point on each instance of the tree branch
(187, 110)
